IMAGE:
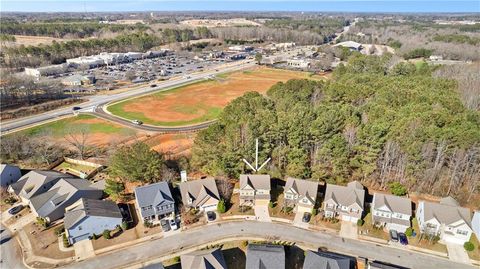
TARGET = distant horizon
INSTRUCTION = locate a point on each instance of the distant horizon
(330, 6)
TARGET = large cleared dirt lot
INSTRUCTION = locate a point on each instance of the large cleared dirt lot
(201, 101)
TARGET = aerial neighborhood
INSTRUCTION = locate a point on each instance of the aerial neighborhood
(249, 135)
(79, 206)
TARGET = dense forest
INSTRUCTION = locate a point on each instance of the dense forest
(371, 122)
(57, 52)
(62, 29)
(408, 37)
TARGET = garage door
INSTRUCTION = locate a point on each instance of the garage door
(210, 208)
(304, 209)
(346, 218)
(80, 238)
(262, 202)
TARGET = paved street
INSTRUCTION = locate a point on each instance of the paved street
(98, 100)
(10, 255)
(190, 238)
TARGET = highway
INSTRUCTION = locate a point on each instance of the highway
(155, 249)
(101, 100)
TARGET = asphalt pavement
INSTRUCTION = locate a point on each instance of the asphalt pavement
(100, 100)
(10, 256)
(155, 249)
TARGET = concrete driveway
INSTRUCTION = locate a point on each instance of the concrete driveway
(457, 253)
(298, 220)
(348, 230)
(261, 213)
(83, 250)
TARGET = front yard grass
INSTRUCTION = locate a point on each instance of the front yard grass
(320, 221)
(370, 230)
(475, 253)
(234, 207)
(424, 243)
(45, 243)
(277, 211)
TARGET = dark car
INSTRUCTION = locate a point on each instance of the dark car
(165, 225)
(306, 217)
(393, 236)
(14, 210)
(211, 216)
(153, 85)
(76, 108)
(403, 239)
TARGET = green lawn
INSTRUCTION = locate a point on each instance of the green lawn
(72, 125)
(475, 254)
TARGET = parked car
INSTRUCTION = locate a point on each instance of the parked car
(137, 122)
(393, 236)
(76, 108)
(173, 224)
(14, 210)
(403, 239)
(211, 216)
(153, 85)
(165, 225)
(306, 217)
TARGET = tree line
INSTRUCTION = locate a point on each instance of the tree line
(373, 122)
(62, 29)
(31, 56)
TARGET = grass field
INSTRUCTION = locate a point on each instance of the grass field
(99, 131)
(201, 101)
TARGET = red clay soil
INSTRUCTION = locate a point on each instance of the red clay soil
(172, 145)
(193, 101)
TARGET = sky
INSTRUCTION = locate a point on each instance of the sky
(444, 6)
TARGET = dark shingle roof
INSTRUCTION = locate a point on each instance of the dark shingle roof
(153, 194)
(327, 260)
(262, 256)
(89, 207)
(204, 259)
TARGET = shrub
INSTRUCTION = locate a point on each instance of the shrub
(468, 246)
(396, 188)
(314, 211)
(221, 208)
(147, 224)
(176, 259)
(59, 230)
(270, 204)
(43, 222)
(360, 222)
(94, 236)
(124, 225)
(106, 234)
(10, 200)
(409, 232)
(65, 241)
(245, 243)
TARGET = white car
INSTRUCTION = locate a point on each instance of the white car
(173, 224)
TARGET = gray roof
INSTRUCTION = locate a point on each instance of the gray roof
(153, 194)
(64, 193)
(263, 256)
(327, 260)
(394, 203)
(351, 194)
(204, 259)
(257, 182)
(303, 187)
(349, 44)
(5, 167)
(89, 207)
(446, 212)
(37, 179)
(199, 191)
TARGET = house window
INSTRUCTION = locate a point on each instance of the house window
(462, 232)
